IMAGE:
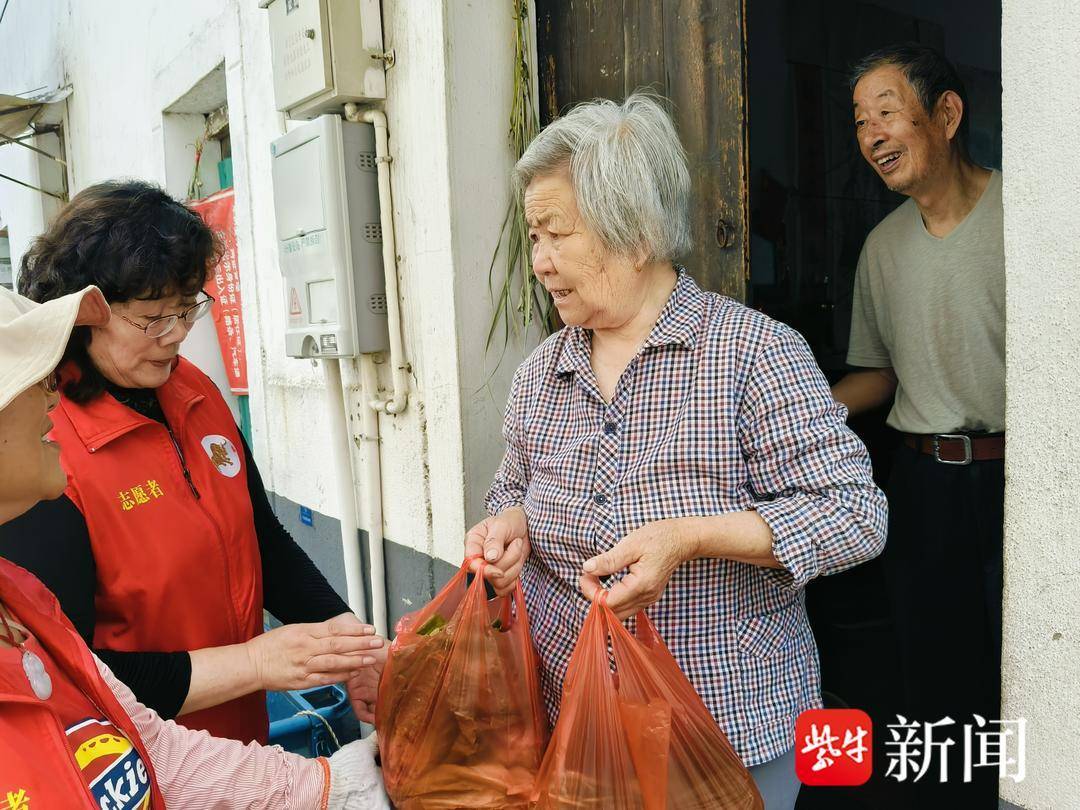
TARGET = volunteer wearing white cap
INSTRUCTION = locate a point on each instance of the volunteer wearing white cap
(165, 550)
(72, 735)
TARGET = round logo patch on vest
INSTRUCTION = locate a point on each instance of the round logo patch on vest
(222, 454)
(114, 771)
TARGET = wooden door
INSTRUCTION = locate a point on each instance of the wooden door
(690, 51)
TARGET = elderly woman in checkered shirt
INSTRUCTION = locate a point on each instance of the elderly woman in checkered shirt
(669, 444)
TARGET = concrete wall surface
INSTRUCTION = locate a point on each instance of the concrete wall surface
(1041, 670)
(137, 75)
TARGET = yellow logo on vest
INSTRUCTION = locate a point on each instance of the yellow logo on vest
(140, 494)
(222, 454)
(17, 800)
(110, 764)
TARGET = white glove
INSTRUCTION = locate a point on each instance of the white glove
(355, 780)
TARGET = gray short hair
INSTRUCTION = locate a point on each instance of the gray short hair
(628, 170)
(928, 72)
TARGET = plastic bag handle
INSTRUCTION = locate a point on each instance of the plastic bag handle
(601, 596)
(469, 575)
(644, 631)
(607, 615)
(516, 596)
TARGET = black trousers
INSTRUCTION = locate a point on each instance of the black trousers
(942, 565)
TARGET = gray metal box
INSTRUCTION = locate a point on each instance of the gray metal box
(326, 203)
(325, 53)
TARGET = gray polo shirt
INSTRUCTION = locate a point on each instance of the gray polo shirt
(934, 309)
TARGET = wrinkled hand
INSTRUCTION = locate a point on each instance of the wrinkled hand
(355, 780)
(651, 552)
(503, 540)
(298, 656)
(363, 686)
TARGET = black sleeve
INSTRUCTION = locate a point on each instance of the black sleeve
(159, 680)
(294, 589)
(53, 543)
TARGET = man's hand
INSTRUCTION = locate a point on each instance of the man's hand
(298, 656)
(652, 553)
(503, 540)
(363, 686)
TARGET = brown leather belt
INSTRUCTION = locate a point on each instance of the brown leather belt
(958, 448)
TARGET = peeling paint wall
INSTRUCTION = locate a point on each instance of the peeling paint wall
(1040, 66)
(448, 100)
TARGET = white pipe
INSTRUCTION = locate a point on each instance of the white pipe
(371, 488)
(371, 483)
(399, 396)
(340, 448)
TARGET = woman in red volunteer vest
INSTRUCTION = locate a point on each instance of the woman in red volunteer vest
(164, 549)
(72, 735)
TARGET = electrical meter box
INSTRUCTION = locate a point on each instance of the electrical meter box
(326, 203)
(325, 53)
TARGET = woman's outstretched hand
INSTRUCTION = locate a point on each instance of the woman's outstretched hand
(298, 656)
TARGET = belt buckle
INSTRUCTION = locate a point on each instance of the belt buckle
(967, 459)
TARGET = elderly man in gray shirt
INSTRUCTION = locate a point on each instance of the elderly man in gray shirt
(928, 326)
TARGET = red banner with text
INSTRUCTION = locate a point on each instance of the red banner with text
(224, 284)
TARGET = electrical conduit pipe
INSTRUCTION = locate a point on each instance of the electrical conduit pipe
(400, 393)
(371, 487)
(371, 483)
(343, 475)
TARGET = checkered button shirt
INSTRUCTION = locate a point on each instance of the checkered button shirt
(722, 410)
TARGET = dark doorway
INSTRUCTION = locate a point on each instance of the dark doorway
(690, 51)
(813, 200)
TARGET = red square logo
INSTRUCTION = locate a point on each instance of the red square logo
(834, 747)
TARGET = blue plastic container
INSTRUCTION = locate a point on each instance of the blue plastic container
(302, 733)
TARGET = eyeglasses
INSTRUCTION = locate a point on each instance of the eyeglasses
(159, 327)
(51, 383)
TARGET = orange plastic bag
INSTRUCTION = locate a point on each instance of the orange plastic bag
(638, 737)
(459, 714)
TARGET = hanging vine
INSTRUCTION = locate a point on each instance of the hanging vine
(195, 184)
(518, 298)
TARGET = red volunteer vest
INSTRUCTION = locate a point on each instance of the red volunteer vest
(37, 768)
(171, 528)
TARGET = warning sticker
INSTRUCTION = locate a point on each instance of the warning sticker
(295, 312)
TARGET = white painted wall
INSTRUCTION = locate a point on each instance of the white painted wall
(26, 67)
(479, 95)
(448, 105)
(22, 209)
(1040, 63)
